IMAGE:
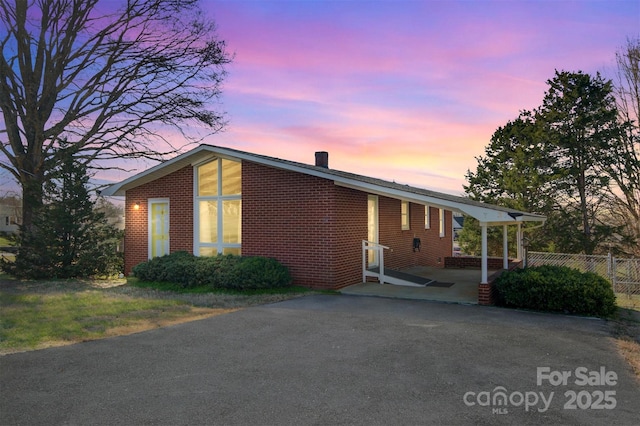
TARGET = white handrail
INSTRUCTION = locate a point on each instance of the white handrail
(370, 245)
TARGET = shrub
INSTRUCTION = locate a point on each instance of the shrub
(176, 268)
(253, 273)
(556, 289)
(218, 272)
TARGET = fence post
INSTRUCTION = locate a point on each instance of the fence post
(614, 273)
(611, 266)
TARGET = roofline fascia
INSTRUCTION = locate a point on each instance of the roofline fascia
(114, 189)
(483, 214)
(478, 212)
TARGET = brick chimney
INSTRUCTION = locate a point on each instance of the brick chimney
(322, 159)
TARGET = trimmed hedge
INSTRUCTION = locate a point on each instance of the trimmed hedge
(556, 289)
(218, 272)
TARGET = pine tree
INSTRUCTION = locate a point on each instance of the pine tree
(69, 238)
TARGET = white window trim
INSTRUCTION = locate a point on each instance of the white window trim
(441, 220)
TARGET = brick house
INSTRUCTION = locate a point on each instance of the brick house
(311, 218)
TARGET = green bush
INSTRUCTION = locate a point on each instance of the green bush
(556, 289)
(218, 272)
(256, 273)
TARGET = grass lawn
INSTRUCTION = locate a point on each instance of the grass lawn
(39, 314)
(5, 242)
(30, 321)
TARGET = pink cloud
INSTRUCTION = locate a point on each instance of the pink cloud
(410, 91)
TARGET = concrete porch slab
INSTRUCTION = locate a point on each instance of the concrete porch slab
(464, 290)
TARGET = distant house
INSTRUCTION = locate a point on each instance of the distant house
(458, 224)
(10, 214)
(323, 224)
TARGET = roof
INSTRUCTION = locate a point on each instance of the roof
(488, 213)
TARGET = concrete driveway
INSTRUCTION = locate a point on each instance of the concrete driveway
(331, 360)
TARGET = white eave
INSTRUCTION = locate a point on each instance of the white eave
(485, 213)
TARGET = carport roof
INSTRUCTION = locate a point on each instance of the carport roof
(486, 213)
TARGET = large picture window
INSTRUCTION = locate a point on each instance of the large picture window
(218, 208)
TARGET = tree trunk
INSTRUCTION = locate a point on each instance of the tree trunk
(32, 193)
(584, 212)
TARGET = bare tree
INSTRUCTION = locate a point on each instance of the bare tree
(624, 167)
(103, 79)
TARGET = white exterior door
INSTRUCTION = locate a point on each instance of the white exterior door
(158, 227)
(372, 225)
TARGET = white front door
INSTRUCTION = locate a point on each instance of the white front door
(372, 225)
(158, 228)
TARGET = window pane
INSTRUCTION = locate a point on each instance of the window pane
(404, 213)
(232, 250)
(208, 179)
(231, 177)
(208, 221)
(427, 218)
(208, 251)
(232, 221)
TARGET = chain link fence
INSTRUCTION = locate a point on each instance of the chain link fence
(624, 274)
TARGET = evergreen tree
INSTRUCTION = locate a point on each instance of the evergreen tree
(69, 238)
(515, 172)
(580, 119)
(553, 161)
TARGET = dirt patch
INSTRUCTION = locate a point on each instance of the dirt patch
(626, 330)
(630, 350)
(144, 325)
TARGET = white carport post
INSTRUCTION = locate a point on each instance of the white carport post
(519, 242)
(483, 264)
(505, 248)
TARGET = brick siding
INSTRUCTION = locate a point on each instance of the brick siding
(307, 223)
(178, 188)
(472, 262)
(433, 248)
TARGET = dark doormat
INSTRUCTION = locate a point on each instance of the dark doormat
(439, 284)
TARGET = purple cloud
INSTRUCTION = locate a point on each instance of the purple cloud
(410, 91)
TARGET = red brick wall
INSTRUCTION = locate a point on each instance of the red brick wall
(351, 228)
(462, 262)
(433, 248)
(309, 224)
(178, 188)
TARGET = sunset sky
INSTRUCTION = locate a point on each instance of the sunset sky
(409, 91)
(403, 90)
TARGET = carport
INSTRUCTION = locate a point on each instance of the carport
(487, 214)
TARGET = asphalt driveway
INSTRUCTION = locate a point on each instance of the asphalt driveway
(332, 360)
